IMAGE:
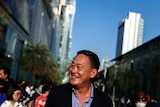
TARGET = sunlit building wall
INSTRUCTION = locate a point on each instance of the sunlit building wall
(67, 18)
(130, 33)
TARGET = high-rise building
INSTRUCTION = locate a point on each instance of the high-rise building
(67, 18)
(130, 33)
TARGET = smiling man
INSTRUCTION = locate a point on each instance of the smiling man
(80, 91)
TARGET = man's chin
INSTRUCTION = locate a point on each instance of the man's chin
(74, 85)
(73, 82)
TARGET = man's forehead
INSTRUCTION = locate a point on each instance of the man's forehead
(79, 61)
(81, 57)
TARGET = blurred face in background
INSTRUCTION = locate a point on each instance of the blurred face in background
(2, 75)
(141, 102)
(16, 95)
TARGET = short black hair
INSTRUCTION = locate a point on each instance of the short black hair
(94, 60)
(6, 71)
(45, 88)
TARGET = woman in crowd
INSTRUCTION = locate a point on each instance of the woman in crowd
(139, 99)
(13, 97)
(40, 101)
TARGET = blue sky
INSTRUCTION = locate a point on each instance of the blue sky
(96, 22)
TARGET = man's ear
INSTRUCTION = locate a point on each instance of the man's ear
(93, 73)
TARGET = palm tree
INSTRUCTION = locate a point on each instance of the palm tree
(37, 59)
(52, 75)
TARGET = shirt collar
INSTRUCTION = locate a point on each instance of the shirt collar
(92, 91)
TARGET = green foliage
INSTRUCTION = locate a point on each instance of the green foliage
(110, 80)
(38, 60)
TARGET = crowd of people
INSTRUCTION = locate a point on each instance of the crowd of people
(138, 99)
(21, 94)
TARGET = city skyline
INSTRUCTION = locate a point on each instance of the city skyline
(96, 24)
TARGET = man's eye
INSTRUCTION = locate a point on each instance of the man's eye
(72, 65)
(79, 68)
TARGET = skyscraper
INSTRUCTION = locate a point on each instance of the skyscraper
(130, 33)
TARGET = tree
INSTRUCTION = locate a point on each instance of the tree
(38, 60)
(52, 75)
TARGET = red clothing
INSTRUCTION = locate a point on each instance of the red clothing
(40, 101)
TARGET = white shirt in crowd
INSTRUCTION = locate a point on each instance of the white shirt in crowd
(8, 104)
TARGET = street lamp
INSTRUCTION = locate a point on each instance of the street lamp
(105, 66)
(114, 85)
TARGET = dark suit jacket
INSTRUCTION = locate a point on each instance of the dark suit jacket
(61, 96)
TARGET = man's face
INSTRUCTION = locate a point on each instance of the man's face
(2, 75)
(81, 71)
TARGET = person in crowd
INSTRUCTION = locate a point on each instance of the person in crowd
(122, 101)
(2, 92)
(40, 87)
(140, 99)
(13, 97)
(25, 87)
(80, 91)
(5, 74)
(35, 94)
(40, 101)
(130, 102)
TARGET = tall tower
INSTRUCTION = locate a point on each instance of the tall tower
(130, 32)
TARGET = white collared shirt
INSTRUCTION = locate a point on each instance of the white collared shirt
(8, 104)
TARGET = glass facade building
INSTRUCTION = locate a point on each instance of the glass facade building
(14, 31)
(142, 66)
(26, 21)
